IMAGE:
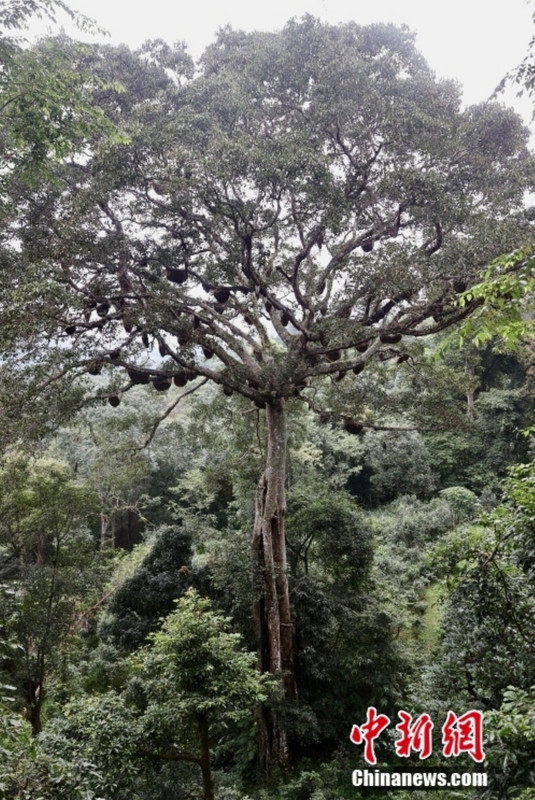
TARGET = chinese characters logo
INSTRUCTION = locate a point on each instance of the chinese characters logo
(462, 734)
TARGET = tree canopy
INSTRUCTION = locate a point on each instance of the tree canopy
(305, 193)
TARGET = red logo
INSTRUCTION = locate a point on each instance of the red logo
(374, 725)
(415, 736)
(462, 734)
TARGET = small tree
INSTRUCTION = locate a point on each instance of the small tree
(43, 546)
(196, 681)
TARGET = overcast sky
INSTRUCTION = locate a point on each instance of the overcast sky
(474, 41)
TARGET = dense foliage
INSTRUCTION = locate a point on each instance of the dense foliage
(290, 225)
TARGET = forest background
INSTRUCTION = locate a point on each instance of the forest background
(147, 649)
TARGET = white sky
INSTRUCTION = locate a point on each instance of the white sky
(473, 41)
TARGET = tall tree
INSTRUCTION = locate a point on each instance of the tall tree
(306, 202)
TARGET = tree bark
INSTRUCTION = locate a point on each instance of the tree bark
(207, 777)
(470, 404)
(34, 701)
(272, 608)
(468, 368)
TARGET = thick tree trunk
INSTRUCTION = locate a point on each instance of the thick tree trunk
(272, 609)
